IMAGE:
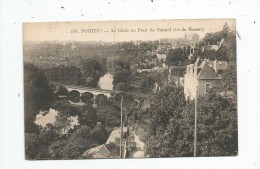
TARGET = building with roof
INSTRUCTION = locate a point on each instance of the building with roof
(212, 47)
(114, 137)
(201, 76)
(100, 151)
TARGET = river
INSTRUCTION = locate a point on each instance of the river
(44, 118)
(106, 82)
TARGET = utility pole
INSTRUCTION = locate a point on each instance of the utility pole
(121, 130)
(195, 123)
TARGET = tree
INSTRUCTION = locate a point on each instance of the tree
(101, 99)
(225, 30)
(62, 123)
(31, 145)
(99, 134)
(37, 95)
(220, 55)
(55, 148)
(79, 141)
(36, 145)
(123, 87)
(171, 125)
(73, 150)
(167, 103)
(92, 70)
(62, 91)
(63, 119)
(146, 82)
(66, 108)
(229, 80)
(166, 122)
(121, 76)
(217, 126)
(88, 116)
(108, 115)
(74, 146)
(64, 74)
(175, 57)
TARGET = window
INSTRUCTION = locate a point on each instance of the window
(208, 87)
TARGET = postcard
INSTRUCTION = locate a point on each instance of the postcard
(130, 89)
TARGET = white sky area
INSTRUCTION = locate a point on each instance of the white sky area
(61, 31)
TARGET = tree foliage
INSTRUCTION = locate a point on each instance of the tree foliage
(167, 103)
(61, 91)
(166, 108)
(175, 57)
(217, 126)
(229, 80)
(64, 74)
(220, 55)
(36, 145)
(92, 71)
(108, 115)
(171, 126)
(80, 140)
(122, 73)
(88, 116)
(37, 95)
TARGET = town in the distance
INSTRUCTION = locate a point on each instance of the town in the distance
(171, 97)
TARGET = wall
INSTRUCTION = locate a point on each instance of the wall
(202, 84)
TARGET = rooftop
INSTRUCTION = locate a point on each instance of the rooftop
(206, 72)
(98, 152)
(114, 135)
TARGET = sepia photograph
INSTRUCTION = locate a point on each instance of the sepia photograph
(130, 89)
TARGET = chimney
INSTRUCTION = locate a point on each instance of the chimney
(188, 69)
(215, 66)
(99, 124)
(192, 69)
(218, 44)
(196, 71)
(221, 42)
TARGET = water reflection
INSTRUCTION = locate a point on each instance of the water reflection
(77, 103)
(49, 117)
(74, 99)
(106, 82)
(43, 118)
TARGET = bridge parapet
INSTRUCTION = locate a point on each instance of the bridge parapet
(94, 91)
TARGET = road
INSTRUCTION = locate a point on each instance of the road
(140, 148)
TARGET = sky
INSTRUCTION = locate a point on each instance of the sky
(123, 30)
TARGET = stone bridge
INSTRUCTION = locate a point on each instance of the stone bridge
(94, 91)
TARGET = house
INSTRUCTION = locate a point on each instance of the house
(201, 76)
(115, 136)
(161, 56)
(175, 74)
(218, 66)
(212, 47)
(100, 151)
(194, 49)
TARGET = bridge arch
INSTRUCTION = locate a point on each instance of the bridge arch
(74, 93)
(94, 91)
(87, 96)
(100, 98)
